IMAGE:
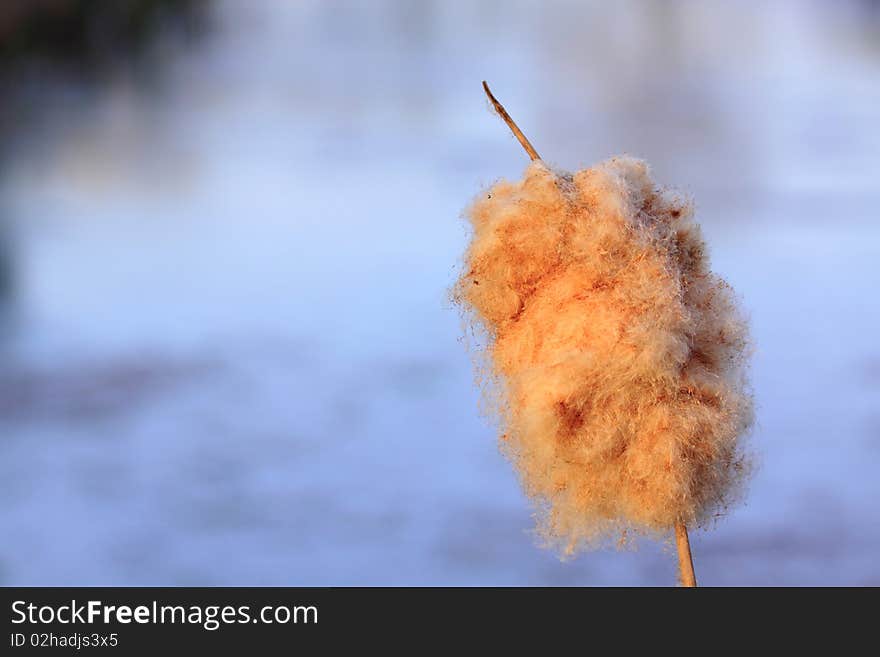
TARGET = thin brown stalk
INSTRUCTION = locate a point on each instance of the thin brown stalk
(685, 561)
(499, 108)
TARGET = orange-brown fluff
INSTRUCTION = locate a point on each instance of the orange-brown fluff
(616, 357)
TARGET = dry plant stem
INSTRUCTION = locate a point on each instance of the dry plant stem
(499, 108)
(685, 561)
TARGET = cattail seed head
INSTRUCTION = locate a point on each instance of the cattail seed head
(614, 357)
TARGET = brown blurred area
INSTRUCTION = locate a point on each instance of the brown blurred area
(50, 48)
(86, 29)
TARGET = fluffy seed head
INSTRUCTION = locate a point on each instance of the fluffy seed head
(614, 359)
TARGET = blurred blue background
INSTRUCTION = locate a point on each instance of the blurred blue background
(226, 234)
